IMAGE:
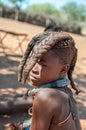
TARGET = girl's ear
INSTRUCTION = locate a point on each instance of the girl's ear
(65, 69)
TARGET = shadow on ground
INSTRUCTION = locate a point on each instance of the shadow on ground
(9, 86)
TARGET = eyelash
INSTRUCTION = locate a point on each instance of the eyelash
(43, 64)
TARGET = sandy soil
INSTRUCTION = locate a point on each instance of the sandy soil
(10, 58)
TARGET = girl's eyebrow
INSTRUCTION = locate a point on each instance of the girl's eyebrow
(43, 60)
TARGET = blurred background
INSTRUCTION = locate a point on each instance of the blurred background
(20, 20)
(71, 14)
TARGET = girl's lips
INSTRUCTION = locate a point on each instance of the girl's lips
(33, 77)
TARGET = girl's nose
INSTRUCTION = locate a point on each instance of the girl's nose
(36, 69)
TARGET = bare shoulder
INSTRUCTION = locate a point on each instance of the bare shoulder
(51, 97)
(52, 103)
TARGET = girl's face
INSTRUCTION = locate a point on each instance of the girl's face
(48, 69)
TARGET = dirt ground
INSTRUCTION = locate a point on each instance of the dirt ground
(10, 58)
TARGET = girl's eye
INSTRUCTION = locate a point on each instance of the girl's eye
(44, 65)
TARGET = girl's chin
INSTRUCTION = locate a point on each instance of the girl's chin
(33, 84)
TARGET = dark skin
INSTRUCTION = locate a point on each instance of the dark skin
(48, 69)
(50, 105)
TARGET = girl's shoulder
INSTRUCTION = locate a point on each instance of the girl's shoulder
(55, 96)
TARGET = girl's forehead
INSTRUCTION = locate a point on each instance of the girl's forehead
(49, 56)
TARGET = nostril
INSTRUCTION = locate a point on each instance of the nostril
(35, 71)
(35, 68)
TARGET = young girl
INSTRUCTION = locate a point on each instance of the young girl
(49, 62)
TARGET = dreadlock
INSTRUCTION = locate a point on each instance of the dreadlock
(35, 40)
(62, 44)
(71, 69)
(69, 54)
